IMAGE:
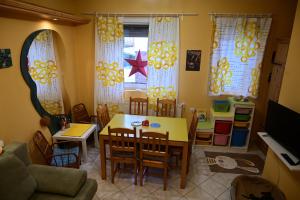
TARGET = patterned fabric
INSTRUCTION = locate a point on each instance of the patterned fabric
(109, 71)
(45, 72)
(163, 56)
(61, 161)
(110, 74)
(109, 29)
(237, 51)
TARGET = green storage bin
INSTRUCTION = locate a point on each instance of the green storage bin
(221, 105)
(243, 118)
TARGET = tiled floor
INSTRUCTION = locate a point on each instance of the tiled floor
(201, 182)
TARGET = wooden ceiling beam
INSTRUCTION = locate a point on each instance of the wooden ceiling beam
(23, 10)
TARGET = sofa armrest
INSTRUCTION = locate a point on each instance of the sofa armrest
(88, 190)
(58, 180)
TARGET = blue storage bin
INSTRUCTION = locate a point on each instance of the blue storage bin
(239, 137)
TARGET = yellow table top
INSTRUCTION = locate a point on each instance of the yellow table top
(76, 130)
(177, 127)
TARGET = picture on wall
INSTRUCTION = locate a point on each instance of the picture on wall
(193, 58)
(5, 58)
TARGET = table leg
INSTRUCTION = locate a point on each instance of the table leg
(102, 158)
(84, 150)
(184, 165)
(96, 140)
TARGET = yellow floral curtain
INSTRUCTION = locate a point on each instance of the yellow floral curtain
(109, 72)
(163, 57)
(238, 46)
(45, 73)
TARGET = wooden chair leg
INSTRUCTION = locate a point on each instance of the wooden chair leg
(188, 164)
(165, 177)
(112, 166)
(141, 174)
(176, 157)
(135, 173)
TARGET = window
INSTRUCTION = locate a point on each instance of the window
(237, 53)
(135, 39)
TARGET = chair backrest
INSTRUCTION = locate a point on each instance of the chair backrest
(193, 129)
(138, 106)
(43, 146)
(103, 115)
(122, 140)
(80, 113)
(166, 107)
(153, 144)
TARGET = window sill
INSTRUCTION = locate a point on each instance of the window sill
(136, 93)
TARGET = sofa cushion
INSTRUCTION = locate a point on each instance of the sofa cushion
(86, 192)
(15, 183)
(19, 150)
(58, 180)
(49, 196)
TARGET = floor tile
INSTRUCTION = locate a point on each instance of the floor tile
(224, 178)
(198, 178)
(225, 195)
(115, 196)
(175, 184)
(137, 192)
(201, 182)
(169, 194)
(106, 188)
(198, 193)
(212, 187)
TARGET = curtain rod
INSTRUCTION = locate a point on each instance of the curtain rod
(241, 14)
(142, 14)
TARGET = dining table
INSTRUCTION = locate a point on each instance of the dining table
(178, 136)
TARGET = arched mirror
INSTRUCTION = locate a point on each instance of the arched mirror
(41, 70)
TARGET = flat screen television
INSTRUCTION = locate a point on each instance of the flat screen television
(283, 125)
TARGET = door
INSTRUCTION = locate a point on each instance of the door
(278, 60)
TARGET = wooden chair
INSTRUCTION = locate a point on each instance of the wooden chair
(192, 136)
(166, 107)
(122, 143)
(81, 115)
(103, 115)
(177, 152)
(138, 106)
(154, 153)
(59, 154)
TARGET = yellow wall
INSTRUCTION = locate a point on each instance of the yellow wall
(18, 118)
(274, 169)
(195, 33)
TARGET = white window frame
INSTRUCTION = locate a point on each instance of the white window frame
(135, 21)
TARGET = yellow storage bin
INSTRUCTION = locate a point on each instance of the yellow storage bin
(241, 124)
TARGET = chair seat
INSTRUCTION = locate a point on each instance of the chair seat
(61, 161)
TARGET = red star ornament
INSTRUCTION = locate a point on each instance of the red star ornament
(138, 65)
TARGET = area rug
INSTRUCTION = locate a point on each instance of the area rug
(236, 163)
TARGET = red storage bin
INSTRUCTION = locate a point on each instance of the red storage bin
(221, 139)
(223, 127)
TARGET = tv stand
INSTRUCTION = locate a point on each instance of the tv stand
(291, 162)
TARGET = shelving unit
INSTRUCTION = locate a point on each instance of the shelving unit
(227, 131)
(243, 119)
(204, 134)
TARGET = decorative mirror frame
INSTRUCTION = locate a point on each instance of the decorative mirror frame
(54, 124)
